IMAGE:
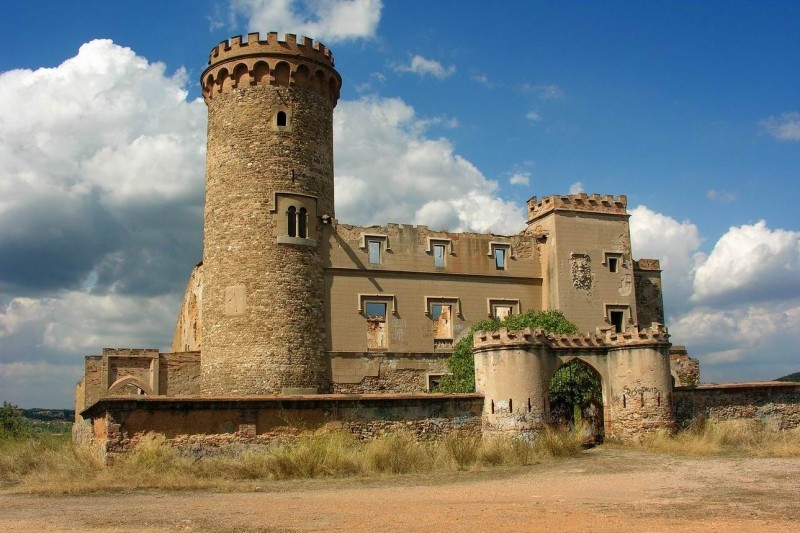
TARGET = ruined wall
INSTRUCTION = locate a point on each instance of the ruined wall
(269, 160)
(365, 372)
(649, 296)
(685, 370)
(589, 267)
(775, 403)
(203, 425)
(408, 282)
(188, 335)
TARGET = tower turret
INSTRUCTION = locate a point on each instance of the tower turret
(269, 191)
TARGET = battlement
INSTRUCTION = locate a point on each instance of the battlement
(594, 203)
(291, 62)
(600, 339)
(306, 48)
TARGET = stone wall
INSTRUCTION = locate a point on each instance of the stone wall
(366, 372)
(200, 424)
(685, 370)
(775, 403)
(649, 296)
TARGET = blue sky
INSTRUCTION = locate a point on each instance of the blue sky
(453, 113)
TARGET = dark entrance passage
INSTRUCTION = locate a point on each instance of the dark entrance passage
(576, 399)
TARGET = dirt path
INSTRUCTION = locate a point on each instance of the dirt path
(605, 490)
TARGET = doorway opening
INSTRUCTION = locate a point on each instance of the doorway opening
(576, 399)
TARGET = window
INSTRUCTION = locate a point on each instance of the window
(433, 381)
(376, 325)
(374, 252)
(500, 258)
(291, 215)
(302, 223)
(442, 315)
(502, 311)
(613, 260)
(501, 253)
(617, 316)
(280, 119)
(297, 222)
(500, 308)
(438, 255)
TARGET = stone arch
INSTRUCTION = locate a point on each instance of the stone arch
(261, 73)
(576, 395)
(333, 91)
(208, 88)
(241, 76)
(224, 81)
(319, 83)
(301, 76)
(125, 381)
(281, 74)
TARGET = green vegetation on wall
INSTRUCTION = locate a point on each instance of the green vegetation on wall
(462, 361)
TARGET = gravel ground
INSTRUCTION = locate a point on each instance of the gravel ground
(604, 490)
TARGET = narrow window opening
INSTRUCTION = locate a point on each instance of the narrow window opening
(492, 406)
(613, 264)
(374, 250)
(530, 407)
(658, 399)
(302, 223)
(624, 403)
(500, 258)
(291, 215)
(617, 320)
(438, 255)
(510, 406)
(281, 118)
(641, 399)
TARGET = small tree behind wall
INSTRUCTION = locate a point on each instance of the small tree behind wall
(462, 361)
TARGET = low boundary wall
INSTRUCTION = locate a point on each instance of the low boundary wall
(776, 403)
(114, 425)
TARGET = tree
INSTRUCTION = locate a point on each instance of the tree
(462, 361)
(12, 424)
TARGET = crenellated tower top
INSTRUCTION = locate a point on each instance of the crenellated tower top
(593, 203)
(289, 62)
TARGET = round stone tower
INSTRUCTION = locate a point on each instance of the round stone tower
(269, 192)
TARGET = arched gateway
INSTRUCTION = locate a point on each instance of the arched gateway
(513, 370)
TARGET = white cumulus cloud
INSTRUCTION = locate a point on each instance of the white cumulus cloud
(329, 21)
(750, 263)
(533, 116)
(576, 188)
(675, 244)
(386, 169)
(427, 67)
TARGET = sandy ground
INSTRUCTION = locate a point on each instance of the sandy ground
(604, 490)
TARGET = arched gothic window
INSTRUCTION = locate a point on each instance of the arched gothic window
(302, 223)
(281, 118)
(291, 213)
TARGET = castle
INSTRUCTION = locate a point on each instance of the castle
(294, 311)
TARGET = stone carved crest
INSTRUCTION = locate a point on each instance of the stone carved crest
(581, 268)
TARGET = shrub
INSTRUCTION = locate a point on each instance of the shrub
(13, 425)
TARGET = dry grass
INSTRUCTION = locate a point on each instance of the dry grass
(54, 466)
(727, 437)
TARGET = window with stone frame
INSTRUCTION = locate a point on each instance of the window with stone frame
(377, 324)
